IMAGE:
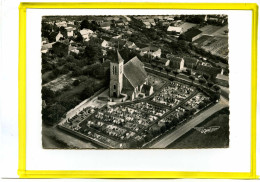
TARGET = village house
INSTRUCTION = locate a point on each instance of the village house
(190, 62)
(162, 61)
(105, 44)
(61, 24)
(192, 34)
(152, 51)
(222, 79)
(70, 32)
(86, 34)
(105, 25)
(177, 63)
(147, 24)
(176, 30)
(130, 45)
(46, 47)
(73, 49)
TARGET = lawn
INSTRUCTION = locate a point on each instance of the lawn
(215, 139)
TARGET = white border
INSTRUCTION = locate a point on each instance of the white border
(234, 159)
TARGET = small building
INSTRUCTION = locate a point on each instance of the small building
(177, 63)
(222, 80)
(192, 34)
(130, 45)
(152, 51)
(105, 25)
(86, 34)
(73, 49)
(147, 24)
(61, 24)
(165, 61)
(105, 44)
(177, 30)
(46, 47)
(70, 32)
(147, 90)
(190, 62)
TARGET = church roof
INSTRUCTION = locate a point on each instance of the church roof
(117, 58)
(134, 72)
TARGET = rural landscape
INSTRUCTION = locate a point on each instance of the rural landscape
(135, 82)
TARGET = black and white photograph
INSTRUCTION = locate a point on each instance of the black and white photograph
(135, 81)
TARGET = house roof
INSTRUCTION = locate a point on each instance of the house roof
(174, 29)
(85, 31)
(164, 60)
(176, 59)
(134, 72)
(69, 29)
(150, 48)
(147, 23)
(192, 33)
(47, 46)
(105, 24)
(190, 60)
(222, 77)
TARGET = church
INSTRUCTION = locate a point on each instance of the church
(128, 79)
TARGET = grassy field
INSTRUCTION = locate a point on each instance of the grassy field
(216, 139)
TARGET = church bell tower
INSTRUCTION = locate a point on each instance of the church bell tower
(116, 75)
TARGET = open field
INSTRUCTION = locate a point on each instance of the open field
(216, 45)
(210, 29)
(176, 134)
(216, 139)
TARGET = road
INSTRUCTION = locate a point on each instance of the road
(175, 134)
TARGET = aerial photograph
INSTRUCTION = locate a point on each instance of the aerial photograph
(135, 81)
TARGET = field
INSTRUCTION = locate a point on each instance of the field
(217, 139)
(216, 45)
(210, 29)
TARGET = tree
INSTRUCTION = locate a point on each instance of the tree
(93, 52)
(210, 84)
(160, 68)
(76, 83)
(216, 88)
(168, 70)
(87, 92)
(79, 37)
(175, 72)
(53, 113)
(206, 76)
(60, 49)
(188, 71)
(192, 78)
(202, 81)
(63, 31)
(47, 93)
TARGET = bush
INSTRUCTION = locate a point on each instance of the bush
(76, 83)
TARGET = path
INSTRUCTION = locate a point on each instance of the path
(175, 134)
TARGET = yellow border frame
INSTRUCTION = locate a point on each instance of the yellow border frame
(23, 173)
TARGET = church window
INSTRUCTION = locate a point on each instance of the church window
(115, 70)
(114, 86)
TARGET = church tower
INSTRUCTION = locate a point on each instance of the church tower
(116, 75)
